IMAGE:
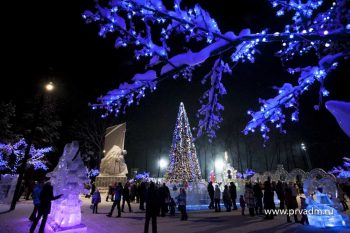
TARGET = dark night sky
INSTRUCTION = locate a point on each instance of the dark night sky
(49, 38)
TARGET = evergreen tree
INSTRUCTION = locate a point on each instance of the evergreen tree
(184, 164)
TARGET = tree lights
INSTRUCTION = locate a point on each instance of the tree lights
(320, 27)
(183, 166)
(11, 156)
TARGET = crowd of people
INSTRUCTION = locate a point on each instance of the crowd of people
(156, 200)
(258, 197)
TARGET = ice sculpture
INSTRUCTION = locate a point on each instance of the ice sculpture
(7, 188)
(323, 208)
(68, 178)
(341, 112)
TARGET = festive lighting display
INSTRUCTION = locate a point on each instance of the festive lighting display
(93, 173)
(11, 156)
(245, 175)
(68, 178)
(342, 171)
(183, 166)
(317, 26)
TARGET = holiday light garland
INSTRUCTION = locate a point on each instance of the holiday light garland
(11, 156)
(322, 27)
(183, 166)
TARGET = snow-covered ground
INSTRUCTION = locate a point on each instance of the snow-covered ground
(198, 222)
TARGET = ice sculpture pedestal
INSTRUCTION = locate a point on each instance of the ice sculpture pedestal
(103, 181)
(52, 228)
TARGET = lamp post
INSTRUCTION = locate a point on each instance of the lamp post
(49, 87)
(162, 163)
(306, 154)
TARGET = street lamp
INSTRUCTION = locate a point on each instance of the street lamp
(49, 87)
(162, 164)
(219, 165)
(306, 154)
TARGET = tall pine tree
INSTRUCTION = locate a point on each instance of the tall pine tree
(184, 164)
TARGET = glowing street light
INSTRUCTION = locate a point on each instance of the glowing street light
(219, 165)
(303, 147)
(49, 86)
(163, 163)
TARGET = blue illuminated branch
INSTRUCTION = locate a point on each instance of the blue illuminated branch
(271, 110)
(342, 171)
(324, 31)
(11, 156)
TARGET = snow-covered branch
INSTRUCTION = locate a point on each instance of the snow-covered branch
(318, 26)
(271, 110)
(11, 156)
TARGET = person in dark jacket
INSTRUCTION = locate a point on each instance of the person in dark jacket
(117, 199)
(110, 192)
(36, 199)
(226, 198)
(268, 199)
(172, 206)
(291, 204)
(280, 193)
(95, 200)
(242, 204)
(142, 194)
(126, 197)
(164, 193)
(211, 195)
(233, 193)
(152, 207)
(46, 196)
(181, 200)
(258, 195)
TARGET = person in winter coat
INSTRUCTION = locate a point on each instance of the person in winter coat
(226, 198)
(46, 196)
(117, 199)
(172, 206)
(249, 198)
(303, 207)
(280, 193)
(95, 200)
(233, 194)
(181, 200)
(126, 197)
(217, 196)
(291, 203)
(152, 207)
(269, 203)
(211, 195)
(258, 195)
(242, 204)
(36, 199)
(164, 194)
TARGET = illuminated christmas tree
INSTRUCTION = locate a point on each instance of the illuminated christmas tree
(183, 164)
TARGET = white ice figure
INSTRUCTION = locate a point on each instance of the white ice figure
(341, 112)
(323, 211)
(68, 179)
(113, 163)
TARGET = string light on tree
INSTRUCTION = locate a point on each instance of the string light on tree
(317, 26)
(183, 166)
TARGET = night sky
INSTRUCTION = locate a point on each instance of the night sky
(49, 40)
